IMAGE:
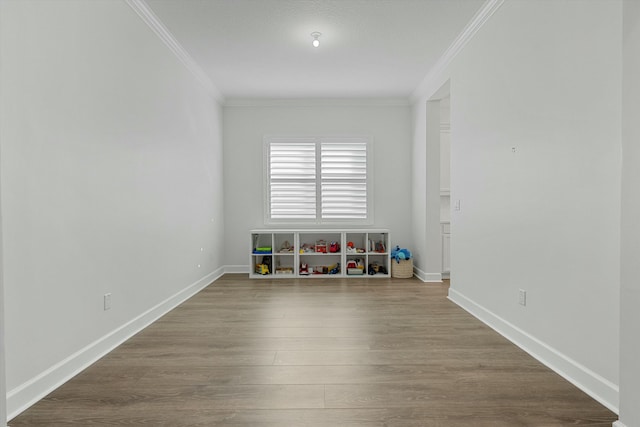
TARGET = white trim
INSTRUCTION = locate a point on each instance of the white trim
(618, 424)
(317, 102)
(28, 393)
(480, 18)
(151, 19)
(599, 388)
(427, 277)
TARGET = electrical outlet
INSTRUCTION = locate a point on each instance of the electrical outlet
(107, 301)
(522, 297)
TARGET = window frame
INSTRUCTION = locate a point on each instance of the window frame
(317, 140)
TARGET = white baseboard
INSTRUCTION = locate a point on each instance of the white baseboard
(232, 269)
(28, 393)
(618, 424)
(427, 277)
(586, 380)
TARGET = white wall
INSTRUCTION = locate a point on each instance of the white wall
(111, 182)
(543, 77)
(3, 377)
(630, 248)
(426, 194)
(246, 124)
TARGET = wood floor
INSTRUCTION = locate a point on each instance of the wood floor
(320, 352)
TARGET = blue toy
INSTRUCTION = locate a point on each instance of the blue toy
(398, 254)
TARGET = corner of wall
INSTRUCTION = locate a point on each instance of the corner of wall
(27, 394)
(586, 380)
(427, 277)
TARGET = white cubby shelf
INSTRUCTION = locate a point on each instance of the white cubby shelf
(306, 253)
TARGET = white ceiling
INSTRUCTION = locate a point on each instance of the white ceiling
(262, 48)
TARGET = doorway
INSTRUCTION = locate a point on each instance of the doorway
(445, 184)
(438, 182)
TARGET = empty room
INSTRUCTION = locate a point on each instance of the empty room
(320, 213)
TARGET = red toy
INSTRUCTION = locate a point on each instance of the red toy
(304, 269)
(321, 247)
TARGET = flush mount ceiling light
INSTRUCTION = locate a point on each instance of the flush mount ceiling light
(315, 36)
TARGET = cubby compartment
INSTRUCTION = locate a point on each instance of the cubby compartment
(377, 243)
(284, 264)
(356, 243)
(319, 264)
(378, 265)
(284, 243)
(356, 265)
(320, 243)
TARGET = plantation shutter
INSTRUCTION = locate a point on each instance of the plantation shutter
(292, 180)
(343, 180)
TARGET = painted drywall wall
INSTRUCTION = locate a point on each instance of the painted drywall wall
(419, 189)
(543, 78)
(111, 182)
(244, 128)
(3, 377)
(630, 235)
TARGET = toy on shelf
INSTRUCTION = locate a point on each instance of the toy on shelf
(351, 248)
(306, 248)
(284, 270)
(286, 247)
(375, 268)
(334, 247)
(321, 247)
(320, 269)
(355, 267)
(304, 269)
(334, 269)
(262, 250)
(262, 269)
(371, 270)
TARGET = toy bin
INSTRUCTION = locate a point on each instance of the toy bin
(403, 269)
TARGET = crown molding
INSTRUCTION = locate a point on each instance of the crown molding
(143, 10)
(479, 19)
(317, 102)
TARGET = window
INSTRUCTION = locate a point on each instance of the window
(317, 180)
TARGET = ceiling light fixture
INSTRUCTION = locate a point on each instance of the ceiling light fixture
(315, 36)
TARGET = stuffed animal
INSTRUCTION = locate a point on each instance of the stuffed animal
(399, 254)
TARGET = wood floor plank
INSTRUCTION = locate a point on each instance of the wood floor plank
(354, 352)
(459, 357)
(239, 344)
